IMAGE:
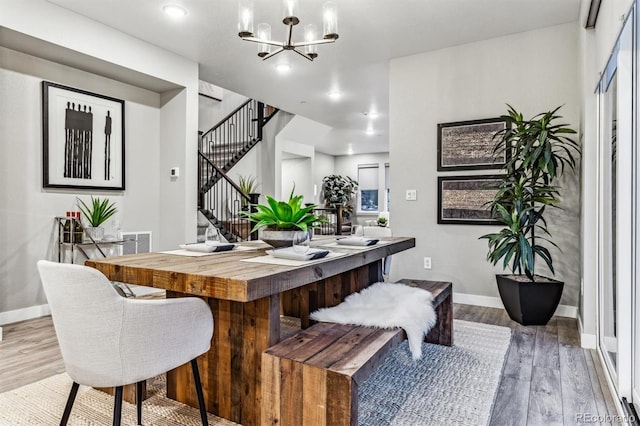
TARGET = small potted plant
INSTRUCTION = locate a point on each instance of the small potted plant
(540, 151)
(282, 220)
(382, 221)
(248, 185)
(98, 212)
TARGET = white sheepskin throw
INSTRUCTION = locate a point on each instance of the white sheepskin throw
(386, 305)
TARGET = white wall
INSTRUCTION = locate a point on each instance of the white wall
(27, 210)
(296, 177)
(304, 186)
(212, 111)
(534, 71)
(167, 205)
(324, 166)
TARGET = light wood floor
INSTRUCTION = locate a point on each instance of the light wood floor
(547, 378)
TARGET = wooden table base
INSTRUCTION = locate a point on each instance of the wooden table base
(231, 370)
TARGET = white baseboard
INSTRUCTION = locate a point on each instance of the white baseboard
(495, 302)
(587, 341)
(24, 314)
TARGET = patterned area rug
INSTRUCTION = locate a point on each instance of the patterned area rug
(450, 385)
(42, 403)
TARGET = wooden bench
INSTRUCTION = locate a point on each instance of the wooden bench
(312, 378)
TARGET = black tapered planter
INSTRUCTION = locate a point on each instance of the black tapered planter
(527, 302)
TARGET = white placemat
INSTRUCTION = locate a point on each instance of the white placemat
(335, 244)
(189, 253)
(270, 260)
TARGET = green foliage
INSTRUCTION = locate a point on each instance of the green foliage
(284, 215)
(99, 211)
(540, 151)
(382, 221)
(248, 184)
(339, 189)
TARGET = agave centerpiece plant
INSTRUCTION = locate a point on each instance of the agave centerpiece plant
(540, 150)
(98, 212)
(282, 220)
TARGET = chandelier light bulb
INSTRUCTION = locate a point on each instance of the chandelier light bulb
(311, 34)
(290, 12)
(264, 33)
(245, 18)
(330, 20)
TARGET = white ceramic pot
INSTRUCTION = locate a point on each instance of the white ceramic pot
(278, 238)
(95, 232)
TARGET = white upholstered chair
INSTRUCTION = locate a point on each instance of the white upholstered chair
(107, 340)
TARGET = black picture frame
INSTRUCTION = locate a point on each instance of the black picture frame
(462, 200)
(83, 135)
(468, 145)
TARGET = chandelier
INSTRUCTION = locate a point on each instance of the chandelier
(307, 48)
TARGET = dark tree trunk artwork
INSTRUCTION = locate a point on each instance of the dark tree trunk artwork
(93, 123)
(107, 146)
(78, 144)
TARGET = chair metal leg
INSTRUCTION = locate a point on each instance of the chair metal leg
(139, 400)
(70, 400)
(196, 378)
(117, 406)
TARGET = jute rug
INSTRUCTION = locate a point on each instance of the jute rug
(450, 385)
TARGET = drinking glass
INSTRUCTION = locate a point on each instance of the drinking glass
(212, 236)
(301, 242)
(357, 231)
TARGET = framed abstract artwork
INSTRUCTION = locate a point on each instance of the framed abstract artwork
(468, 145)
(83, 139)
(464, 199)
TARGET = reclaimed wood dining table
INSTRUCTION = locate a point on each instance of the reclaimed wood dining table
(247, 299)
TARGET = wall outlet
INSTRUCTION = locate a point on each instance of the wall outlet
(411, 195)
(427, 263)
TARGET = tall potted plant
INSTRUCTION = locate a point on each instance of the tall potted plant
(540, 151)
(339, 190)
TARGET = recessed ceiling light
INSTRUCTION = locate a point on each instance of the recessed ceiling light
(174, 11)
(283, 67)
(370, 131)
(371, 114)
(335, 95)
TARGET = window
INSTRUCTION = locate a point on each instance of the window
(368, 188)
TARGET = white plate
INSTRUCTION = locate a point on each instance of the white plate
(291, 254)
(204, 248)
(357, 241)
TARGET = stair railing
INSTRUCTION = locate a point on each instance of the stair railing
(220, 148)
(223, 202)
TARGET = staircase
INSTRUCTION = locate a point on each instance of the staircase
(220, 199)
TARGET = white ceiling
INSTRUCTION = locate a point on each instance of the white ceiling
(371, 33)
